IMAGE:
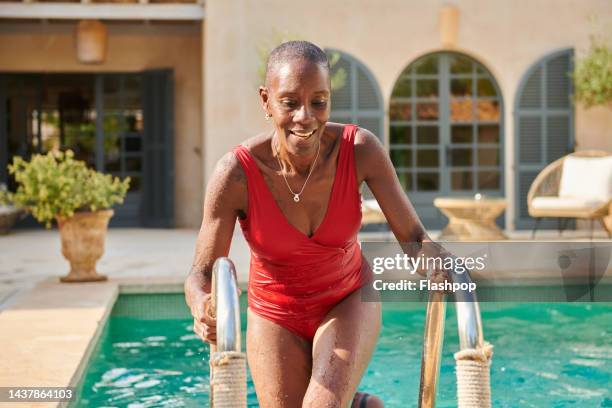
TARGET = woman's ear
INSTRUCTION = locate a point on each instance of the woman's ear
(263, 94)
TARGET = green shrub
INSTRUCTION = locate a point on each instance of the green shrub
(56, 184)
(593, 75)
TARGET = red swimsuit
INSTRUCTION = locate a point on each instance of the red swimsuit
(295, 280)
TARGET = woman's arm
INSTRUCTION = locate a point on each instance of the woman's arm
(226, 199)
(375, 168)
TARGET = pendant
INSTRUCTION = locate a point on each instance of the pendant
(296, 198)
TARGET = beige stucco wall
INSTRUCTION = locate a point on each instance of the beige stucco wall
(506, 36)
(132, 47)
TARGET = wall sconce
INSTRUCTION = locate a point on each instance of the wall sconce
(91, 37)
(449, 25)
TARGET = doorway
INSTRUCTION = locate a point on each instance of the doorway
(445, 136)
(120, 124)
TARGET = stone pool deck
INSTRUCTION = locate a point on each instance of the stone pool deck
(30, 256)
(49, 329)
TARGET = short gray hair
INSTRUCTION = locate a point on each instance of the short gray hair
(292, 50)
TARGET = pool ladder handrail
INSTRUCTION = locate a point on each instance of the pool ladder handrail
(469, 325)
(226, 309)
(226, 305)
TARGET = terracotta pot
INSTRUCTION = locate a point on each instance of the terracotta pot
(83, 237)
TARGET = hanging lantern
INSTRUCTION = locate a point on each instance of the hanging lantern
(91, 41)
(449, 26)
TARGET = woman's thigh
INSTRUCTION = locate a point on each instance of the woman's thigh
(280, 363)
(342, 348)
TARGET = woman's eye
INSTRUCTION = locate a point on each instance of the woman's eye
(288, 104)
(320, 103)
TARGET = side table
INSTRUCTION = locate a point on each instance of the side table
(471, 219)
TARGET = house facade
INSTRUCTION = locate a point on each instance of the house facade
(469, 98)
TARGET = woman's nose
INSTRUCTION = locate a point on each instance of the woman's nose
(303, 114)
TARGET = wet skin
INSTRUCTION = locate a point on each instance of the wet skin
(287, 370)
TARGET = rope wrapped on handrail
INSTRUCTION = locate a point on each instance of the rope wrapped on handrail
(473, 360)
(228, 379)
(473, 377)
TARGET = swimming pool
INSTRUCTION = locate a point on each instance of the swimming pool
(545, 355)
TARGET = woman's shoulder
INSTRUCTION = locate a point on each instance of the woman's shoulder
(229, 171)
(368, 148)
(258, 146)
(227, 185)
(364, 137)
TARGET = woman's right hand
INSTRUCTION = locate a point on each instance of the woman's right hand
(204, 323)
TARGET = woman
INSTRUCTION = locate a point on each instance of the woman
(295, 191)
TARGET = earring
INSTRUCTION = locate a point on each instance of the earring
(268, 116)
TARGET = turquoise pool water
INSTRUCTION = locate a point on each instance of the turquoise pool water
(546, 355)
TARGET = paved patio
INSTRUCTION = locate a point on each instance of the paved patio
(31, 256)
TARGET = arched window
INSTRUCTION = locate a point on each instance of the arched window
(445, 134)
(544, 123)
(358, 99)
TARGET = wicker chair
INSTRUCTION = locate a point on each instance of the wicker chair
(547, 184)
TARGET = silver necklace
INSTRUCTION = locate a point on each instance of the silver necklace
(296, 196)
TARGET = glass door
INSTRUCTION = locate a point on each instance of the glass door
(121, 138)
(99, 117)
(473, 147)
(445, 134)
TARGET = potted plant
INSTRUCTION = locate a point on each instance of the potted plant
(57, 187)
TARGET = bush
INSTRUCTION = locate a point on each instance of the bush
(57, 185)
(593, 75)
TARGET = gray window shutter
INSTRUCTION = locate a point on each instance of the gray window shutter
(367, 96)
(359, 101)
(544, 125)
(530, 140)
(342, 97)
(158, 145)
(531, 97)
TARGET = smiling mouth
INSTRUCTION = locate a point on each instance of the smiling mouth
(303, 135)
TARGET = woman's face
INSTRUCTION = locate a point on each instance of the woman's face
(298, 98)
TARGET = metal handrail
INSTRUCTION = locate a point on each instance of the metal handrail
(226, 305)
(226, 309)
(469, 322)
(469, 325)
(432, 348)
